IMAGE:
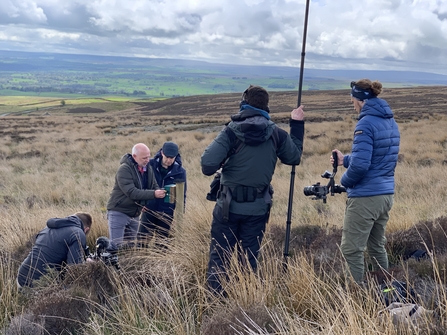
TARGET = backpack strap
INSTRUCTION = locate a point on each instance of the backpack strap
(275, 138)
(237, 144)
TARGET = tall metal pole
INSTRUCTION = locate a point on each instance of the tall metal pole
(292, 173)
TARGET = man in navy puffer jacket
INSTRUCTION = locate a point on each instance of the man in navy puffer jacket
(369, 178)
(158, 215)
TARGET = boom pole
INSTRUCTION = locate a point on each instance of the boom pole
(292, 173)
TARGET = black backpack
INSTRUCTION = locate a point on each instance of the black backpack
(397, 291)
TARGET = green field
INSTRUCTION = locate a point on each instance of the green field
(24, 104)
(63, 75)
(38, 81)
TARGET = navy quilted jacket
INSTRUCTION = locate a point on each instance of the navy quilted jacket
(176, 174)
(371, 164)
(62, 242)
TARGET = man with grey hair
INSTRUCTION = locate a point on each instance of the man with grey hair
(134, 185)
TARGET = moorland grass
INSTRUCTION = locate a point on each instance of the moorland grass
(57, 165)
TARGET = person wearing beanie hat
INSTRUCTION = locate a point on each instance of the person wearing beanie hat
(61, 243)
(369, 178)
(156, 219)
(245, 194)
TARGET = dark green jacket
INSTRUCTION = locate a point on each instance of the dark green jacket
(254, 164)
(129, 194)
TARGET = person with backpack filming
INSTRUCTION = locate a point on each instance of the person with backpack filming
(247, 150)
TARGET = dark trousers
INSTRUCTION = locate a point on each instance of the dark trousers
(154, 224)
(244, 232)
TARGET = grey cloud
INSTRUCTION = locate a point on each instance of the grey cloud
(341, 33)
(74, 16)
(441, 16)
(185, 23)
(21, 12)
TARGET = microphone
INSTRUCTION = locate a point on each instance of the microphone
(102, 244)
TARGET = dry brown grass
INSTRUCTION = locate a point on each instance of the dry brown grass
(59, 164)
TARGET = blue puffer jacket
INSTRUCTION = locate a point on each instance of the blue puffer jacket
(371, 165)
(176, 174)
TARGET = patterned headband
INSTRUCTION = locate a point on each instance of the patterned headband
(360, 93)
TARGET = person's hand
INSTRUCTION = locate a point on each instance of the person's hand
(297, 113)
(340, 157)
(160, 194)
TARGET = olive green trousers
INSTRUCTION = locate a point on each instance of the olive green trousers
(364, 227)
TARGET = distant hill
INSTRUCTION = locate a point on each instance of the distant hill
(25, 73)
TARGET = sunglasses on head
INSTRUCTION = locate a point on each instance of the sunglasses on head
(352, 84)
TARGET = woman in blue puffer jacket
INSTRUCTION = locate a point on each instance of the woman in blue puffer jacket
(369, 178)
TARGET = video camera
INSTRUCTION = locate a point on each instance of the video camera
(320, 191)
(106, 251)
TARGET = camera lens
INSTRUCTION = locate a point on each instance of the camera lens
(309, 190)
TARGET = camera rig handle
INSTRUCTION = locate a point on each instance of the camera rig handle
(335, 164)
(318, 191)
(331, 184)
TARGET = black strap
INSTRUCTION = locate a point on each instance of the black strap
(275, 138)
(243, 193)
(413, 310)
(225, 193)
(236, 146)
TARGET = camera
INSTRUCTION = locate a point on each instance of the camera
(316, 190)
(106, 251)
(319, 191)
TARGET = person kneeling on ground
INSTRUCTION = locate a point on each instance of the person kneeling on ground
(61, 243)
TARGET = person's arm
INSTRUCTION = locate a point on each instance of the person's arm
(213, 156)
(346, 160)
(76, 246)
(359, 160)
(291, 146)
(152, 181)
(127, 185)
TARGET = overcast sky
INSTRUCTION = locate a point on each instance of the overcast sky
(342, 34)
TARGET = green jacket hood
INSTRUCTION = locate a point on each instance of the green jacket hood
(252, 126)
(128, 159)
